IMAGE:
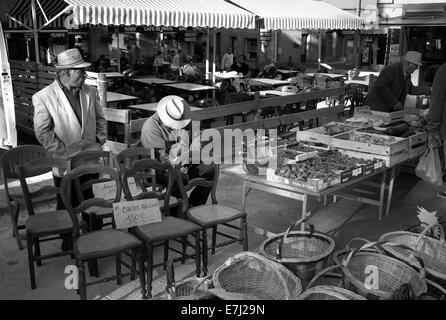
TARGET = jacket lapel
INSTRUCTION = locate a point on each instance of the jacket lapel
(64, 104)
(85, 103)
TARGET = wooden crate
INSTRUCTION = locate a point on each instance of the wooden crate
(396, 147)
(387, 160)
(320, 135)
(418, 144)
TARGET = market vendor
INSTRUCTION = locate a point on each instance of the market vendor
(166, 133)
(394, 83)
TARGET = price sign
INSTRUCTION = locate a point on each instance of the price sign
(136, 213)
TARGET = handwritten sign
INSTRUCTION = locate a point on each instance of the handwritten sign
(136, 213)
(107, 190)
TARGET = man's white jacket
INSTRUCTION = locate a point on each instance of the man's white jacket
(56, 126)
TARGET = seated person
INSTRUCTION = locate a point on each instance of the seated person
(269, 70)
(165, 132)
(159, 63)
(190, 71)
(240, 66)
(102, 64)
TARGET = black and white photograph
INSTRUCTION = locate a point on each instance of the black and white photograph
(210, 156)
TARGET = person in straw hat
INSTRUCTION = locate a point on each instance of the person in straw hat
(390, 90)
(67, 115)
(166, 133)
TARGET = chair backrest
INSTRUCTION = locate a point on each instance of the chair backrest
(127, 157)
(15, 157)
(35, 168)
(149, 169)
(72, 178)
(93, 157)
(184, 188)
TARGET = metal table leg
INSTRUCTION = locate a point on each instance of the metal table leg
(304, 210)
(389, 193)
(381, 196)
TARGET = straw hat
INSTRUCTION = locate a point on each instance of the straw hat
(174, 112)
(71, 59)
(413, 57)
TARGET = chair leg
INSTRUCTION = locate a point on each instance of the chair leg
(214, 239)
(245, 234)
(133, 267)
(29, 245)
(82, 281)
(142, 273)
(37, 251)
(184, 246)
(166, 254)
(197, 254)
(14, 214)
(204, 250)
(118, 269)
(149, 269)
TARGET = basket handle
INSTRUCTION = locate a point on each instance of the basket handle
(201, 282)
(429, 227)
(323, 290)
(321, 273)
(436, 285)
(285, 235)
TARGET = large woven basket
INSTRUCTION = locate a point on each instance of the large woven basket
(392, 274)
(431, 251)
(329, 293)
(255, 276)
(305, 253)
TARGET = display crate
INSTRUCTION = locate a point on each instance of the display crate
(320, 134)
(418, 144)
(386, 160)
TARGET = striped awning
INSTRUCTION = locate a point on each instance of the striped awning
(169, 13)
(300, 14)
(22, 12)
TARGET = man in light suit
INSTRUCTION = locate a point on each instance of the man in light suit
(67, 116)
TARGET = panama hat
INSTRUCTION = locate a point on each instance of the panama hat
(413, 57)
(174, 112)
(71, 59)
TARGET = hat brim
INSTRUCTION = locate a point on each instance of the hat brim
(74, 66)
(167, 120)
(414, 62)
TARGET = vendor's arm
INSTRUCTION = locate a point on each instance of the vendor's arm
(44, 128)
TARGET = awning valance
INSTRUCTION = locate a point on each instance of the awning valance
(172, 13)
(300, 14)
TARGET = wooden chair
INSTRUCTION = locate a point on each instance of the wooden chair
(212, 215)
(92, 245)
(170, 228)
(10, 162)
(45, 226)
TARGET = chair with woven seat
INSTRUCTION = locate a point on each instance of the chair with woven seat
(10, 162)
(44, 226)
(92, 245)
(125, 160)
(210, 216)
(170, 228)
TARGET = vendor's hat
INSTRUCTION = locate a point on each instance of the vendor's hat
(413, 57)
(71, 59)
(174, 112)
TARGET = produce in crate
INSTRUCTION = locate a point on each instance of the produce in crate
(334, 128)
(367, 138)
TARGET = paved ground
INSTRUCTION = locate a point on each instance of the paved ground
(342, 220)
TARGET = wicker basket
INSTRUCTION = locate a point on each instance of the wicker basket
(192, 289)
(305, 253)
(255, 276)
(392, 275)
(329, 293)
(431, 251)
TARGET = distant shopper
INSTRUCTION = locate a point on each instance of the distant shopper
(394, 83)
(228, 60)
(240, 66)
(176, 61)
(191, 72)
(269, 70)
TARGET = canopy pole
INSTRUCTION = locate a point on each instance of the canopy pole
(214, 54)
(36, 35)
(319, 54)
(207, 54)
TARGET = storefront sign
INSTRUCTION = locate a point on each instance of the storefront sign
(129, 214)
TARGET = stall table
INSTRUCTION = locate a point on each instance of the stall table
(252, 182)
(153, 81)
(152, 107)
(269, 82)
(119, 97)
